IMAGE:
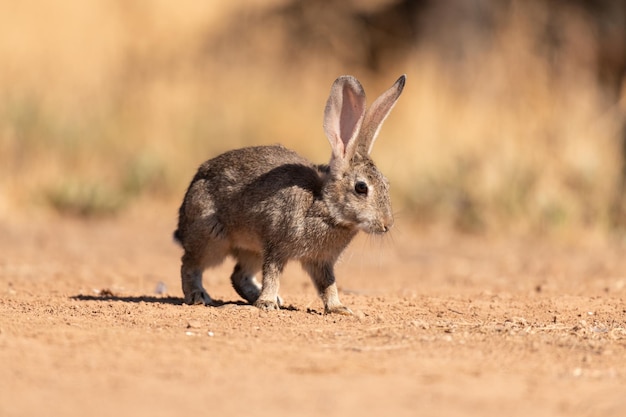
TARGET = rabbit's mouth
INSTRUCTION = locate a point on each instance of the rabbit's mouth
(376, 227)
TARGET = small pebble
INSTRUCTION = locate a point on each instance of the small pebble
(194, 324)
(161, 288)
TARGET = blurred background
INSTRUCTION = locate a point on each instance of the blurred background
(512, 119)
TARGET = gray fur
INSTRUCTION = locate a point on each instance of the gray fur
(267, 205)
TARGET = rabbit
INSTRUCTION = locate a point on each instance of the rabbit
(266, 205)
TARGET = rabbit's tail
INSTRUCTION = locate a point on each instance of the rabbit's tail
(178, 237)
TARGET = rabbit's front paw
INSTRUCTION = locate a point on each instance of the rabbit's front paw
(266, 305)
(340, 309)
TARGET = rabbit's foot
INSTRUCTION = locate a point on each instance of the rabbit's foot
(339, 309)
(199, 297)
(266, 305)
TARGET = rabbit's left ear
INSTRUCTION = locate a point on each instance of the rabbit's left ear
(344, 113)
(377, 114)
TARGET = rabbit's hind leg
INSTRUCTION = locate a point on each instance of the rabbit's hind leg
(191, 275)
(243, 277)
(201, 254)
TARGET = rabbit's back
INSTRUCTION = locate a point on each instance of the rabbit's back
(237, 169)
(255, 196)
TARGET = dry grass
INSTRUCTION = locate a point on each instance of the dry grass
(104, 101)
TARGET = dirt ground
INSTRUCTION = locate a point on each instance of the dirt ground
(92, 323)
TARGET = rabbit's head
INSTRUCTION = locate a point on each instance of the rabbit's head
(356, 193)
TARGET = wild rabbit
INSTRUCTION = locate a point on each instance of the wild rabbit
(266, 205)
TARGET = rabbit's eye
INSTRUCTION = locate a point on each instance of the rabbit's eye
(360, 188)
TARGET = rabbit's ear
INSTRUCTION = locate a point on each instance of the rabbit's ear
(343, 116)
(377, 114)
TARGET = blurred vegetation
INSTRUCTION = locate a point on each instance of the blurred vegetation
(512, 118)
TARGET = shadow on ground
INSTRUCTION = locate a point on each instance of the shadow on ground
(130, 299)
(106, 295)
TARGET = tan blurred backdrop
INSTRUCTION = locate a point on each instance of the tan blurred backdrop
(512, 118)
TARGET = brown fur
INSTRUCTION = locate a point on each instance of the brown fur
(267, 205)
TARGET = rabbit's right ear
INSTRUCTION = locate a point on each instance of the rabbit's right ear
(343, 116)
(377, 114)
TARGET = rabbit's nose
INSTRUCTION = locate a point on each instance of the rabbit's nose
(387, 224)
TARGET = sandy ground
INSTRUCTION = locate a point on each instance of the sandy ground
(92, 323)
